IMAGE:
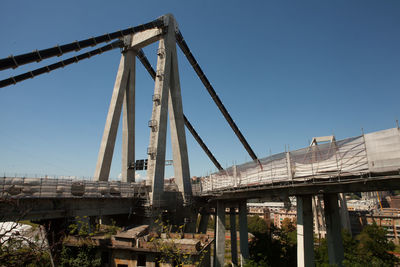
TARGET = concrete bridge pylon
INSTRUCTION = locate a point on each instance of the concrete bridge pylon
(167, 100)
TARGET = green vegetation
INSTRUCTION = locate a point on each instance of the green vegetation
(17, 254)
(170, 252)
(83, 253)
(272, 247)
(18, 250)
(277, 247)
(369, 248)
(83, 256)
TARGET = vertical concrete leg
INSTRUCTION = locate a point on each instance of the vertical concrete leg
(232, 217)
(344, 213)
(316, 217)
(114, 112)
(219, 255)
(177, 127)
(305, 235)
(333, 230)
(158, 133)
(244, 242)
(128, 128)
(204, 217)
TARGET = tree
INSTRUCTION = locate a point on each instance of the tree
(370, 248)
(22, 243)
(78, 249)
(256, 225)
(82, 256)
(272, 247)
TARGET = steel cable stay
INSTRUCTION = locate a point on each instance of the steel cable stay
(185, 49)
(38, 55)
(145, 62)
(58, 50)
(75, 59)
(59, 64)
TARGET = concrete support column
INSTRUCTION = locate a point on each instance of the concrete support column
(158, 132)
(128, 127)
(344, 213)
(333, 230)
(204, 217)
(219, 254)
(305, 234)
(124, 75)
(232, 217)
(244, 243)
(167, 100)
(177, 127)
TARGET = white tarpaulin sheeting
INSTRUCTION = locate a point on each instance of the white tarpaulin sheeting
(377, 152)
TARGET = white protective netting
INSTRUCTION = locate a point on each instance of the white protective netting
(374, 152)
(67, 188)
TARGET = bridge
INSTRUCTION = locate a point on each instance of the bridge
(328, 167)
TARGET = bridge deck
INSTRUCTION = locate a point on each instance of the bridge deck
(313, 186)
(332, 165)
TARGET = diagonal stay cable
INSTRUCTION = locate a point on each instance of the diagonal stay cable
(185, 49)
(142, 57)
(60, 64)
(39, 55)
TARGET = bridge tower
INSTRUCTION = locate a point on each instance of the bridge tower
(167, 99)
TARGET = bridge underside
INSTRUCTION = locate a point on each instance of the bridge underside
(41, 208)
(51, 208)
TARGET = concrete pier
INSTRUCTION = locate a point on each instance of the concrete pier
(344, 213)
(244, 243)
(305, 234)
(219, 254)
(204, 217)
(232, 217)
(333, 230)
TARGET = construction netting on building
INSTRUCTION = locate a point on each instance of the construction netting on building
(376, 152)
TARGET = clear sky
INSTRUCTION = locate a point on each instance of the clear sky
(286, 71)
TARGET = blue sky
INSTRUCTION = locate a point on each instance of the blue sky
(286, 71)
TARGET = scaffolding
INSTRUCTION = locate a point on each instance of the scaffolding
(377, 152)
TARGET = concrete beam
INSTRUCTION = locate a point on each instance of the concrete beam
(305, 235)
(142, 39)
(333, 230)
